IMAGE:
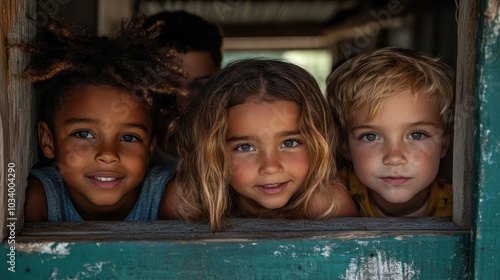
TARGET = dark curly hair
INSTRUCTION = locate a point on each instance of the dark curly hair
(68, 57)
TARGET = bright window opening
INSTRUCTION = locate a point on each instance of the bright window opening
(317, 62)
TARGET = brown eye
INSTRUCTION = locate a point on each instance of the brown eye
(84, 134)
(129, 138)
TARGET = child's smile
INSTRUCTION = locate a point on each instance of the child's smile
(106, 180)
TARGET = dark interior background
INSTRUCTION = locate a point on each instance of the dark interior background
(343, 27)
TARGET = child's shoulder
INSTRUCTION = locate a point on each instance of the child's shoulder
(48, 176)
(338, 199)
(443, 187)
(440, 199)
(159, 175)
(35, 204)
(161, 170)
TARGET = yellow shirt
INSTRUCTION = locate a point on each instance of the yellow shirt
(440, 197)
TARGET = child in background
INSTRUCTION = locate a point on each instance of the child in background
(99, 118)
(198, 44)
(394, 109)
(257, 142)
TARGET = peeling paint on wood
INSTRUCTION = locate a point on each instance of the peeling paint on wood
(60, 248)
(486, 225)
(342, 248)
(297, 258)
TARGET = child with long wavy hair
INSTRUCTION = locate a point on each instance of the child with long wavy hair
(257, 142)
(101, 105)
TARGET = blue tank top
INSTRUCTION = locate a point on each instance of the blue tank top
(61, 209)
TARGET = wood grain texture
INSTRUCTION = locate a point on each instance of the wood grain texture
(17, 103)
(239, 228)
(465, 104)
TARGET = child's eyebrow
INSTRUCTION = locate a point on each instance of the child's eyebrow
(246, 137)
(73, 121)
(137, 125)
(368, 126)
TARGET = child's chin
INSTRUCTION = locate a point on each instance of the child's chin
(105, 202)
(398, 199)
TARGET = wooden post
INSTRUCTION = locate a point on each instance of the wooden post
(486, 193)
(17, 140)
(464, 113)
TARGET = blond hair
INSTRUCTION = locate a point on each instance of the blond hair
(369, 78)
(203, 191)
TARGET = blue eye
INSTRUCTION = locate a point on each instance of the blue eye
(84, 134)
(417, 135)
(129, 138)
(290, 144)
(369, 137)
(244, 148)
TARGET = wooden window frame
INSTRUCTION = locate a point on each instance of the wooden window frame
(352, 248)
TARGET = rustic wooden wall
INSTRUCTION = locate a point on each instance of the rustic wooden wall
(17, 140)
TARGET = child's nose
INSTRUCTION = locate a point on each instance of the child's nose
(107, 153)
(270, 163)
(395, 155)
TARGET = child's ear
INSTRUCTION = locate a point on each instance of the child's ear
(46, 139)
(446, 144)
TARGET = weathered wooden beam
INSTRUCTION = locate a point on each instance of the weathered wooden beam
(238, 228)
(361, 248)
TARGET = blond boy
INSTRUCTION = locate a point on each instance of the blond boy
(394, 111)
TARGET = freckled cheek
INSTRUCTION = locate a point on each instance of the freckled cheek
(424, 153)
(425, 161)
(366, 154)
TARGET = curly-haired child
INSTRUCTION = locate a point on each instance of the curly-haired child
(394, 109)
(257, 142)
(99, 117)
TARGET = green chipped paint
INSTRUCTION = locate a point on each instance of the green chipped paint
(486, 226)
(390, 257)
